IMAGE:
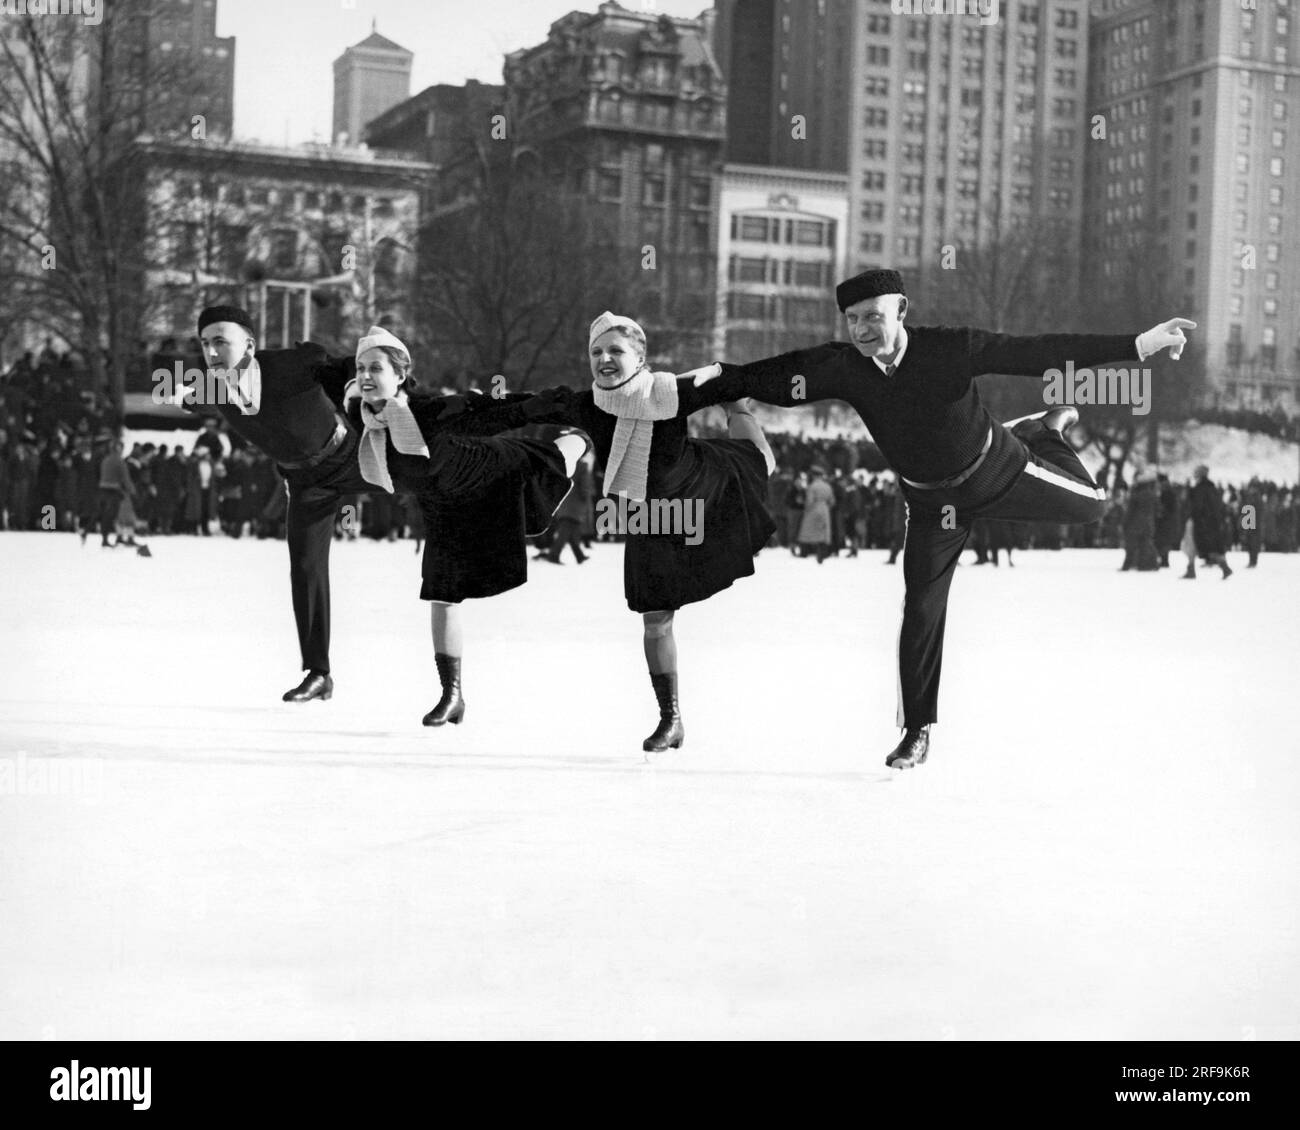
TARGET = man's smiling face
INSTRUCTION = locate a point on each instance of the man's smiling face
(876, 324)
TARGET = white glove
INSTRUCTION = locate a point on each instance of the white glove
(702, 375)
(1168, 334)
(351, 392)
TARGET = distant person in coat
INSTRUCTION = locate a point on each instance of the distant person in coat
(1206, 507)
(815, 526)
(1140, 525)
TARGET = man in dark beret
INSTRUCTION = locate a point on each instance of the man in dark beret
(286, 402)
(914, 389)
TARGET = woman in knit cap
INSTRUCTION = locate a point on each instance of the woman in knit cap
(479, 497)
(637, 420)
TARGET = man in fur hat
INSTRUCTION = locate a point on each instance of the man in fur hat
(914, 389)
(286, 402)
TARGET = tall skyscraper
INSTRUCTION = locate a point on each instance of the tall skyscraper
(787, 64)
(369, 78)
(965, 131)
(1196, 185)
(195, 68)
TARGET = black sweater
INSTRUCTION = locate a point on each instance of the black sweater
(301, 390)
(927, 418)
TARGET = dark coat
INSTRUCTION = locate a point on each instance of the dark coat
(1206, 506)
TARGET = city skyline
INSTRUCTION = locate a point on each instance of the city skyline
(287, 97)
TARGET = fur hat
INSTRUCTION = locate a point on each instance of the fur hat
(869, 284)
(236, 314)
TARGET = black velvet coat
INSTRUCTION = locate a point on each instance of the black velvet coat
(481, 494)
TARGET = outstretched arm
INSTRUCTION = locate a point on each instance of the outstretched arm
(1032, 356)
(486, 415)
(788, 380)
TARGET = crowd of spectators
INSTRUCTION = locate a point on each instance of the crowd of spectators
(55, 435)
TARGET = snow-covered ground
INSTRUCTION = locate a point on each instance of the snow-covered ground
(1104, 843)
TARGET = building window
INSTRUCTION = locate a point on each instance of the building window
(654, 191)
(810, 233)
(748, 270)
(1234, 343)
(872, 241)
(609, 185)
(1275, 166)
(747, 307)
(284, 249)
(807, 274)
(701, 194)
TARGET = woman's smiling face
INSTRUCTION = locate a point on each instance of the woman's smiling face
(615, 358)
(376, 377)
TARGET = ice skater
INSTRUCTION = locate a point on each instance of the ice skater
(480, 497)
(915, 391)
(286, 403)
(637, 420)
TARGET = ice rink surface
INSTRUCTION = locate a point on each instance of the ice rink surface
(1104, 844)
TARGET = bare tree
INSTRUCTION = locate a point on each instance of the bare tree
(73, 99)
(516, 268)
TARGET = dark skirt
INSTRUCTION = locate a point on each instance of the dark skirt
(486, 497)
(661, 572)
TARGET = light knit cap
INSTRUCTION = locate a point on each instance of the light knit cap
(377, 336)
(610, 321)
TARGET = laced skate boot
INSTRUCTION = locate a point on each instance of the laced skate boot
(451, 707)
(912, 750)
(670, 733)
(317, 684)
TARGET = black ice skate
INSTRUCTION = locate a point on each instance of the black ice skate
(670, 733)
(451, 707)
(316, 685)
(912, 750)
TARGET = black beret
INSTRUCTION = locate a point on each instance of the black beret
(214, 314)
(869, 284)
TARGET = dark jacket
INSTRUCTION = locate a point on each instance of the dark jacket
(1206, 507)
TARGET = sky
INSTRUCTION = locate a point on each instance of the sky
(285, 49)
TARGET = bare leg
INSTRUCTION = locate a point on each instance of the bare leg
(660, 646)
(445, 622)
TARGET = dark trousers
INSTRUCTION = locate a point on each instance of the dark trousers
(314, 497)
(567, 532)
(110, 501)
(1053, 487)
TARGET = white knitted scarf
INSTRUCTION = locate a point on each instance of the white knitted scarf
(394, 419)
(645, 398)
